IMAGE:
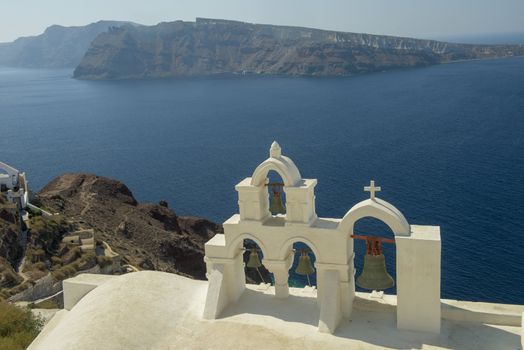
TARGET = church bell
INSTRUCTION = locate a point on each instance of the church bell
(305, 267)
(254, 259)
(374, 275)
(277, 207)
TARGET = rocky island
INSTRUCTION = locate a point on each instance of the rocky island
(56, 47)
(211, 46)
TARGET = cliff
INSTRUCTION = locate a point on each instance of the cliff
(10, 248)
(148, 236)
(57, 47)
(210, 46)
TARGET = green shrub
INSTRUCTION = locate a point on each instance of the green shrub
(69, 270)
(49, 231)
(34, 212)
(87, 261)
(55, 260)
(72, 255)
(104, 261)
(19, 288)
(39, 266)
(18, 327)
(46, 304)
(64, 272)
(35, 255)
(58, 275)
(10, 279)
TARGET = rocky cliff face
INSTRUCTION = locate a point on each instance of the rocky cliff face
(10, 247)
(57, 47)
(210, 46)
(148, 236)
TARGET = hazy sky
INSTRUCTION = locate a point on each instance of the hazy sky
(416, 18)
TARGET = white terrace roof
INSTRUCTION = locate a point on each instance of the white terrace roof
(156, 310)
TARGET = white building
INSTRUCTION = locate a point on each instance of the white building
(14, 184)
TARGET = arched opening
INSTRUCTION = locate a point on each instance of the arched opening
(370, 226)
(303, 272)
(276, 195)
(254, 269)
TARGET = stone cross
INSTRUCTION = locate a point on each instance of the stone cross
(372, 189)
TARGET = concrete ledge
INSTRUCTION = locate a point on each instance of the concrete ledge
(77, 287)
(452, 310)
(478, 312)
(522, 332)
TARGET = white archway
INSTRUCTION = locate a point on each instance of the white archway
(239, 241)
(288, 245)
(378, 209)
(283, 165)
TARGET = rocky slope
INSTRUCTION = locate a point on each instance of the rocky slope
(57, 47)
(210, 46)
(148, 236)
(10, 248)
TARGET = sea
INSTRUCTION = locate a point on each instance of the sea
(445, 143)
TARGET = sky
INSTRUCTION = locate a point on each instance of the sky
(414, 18)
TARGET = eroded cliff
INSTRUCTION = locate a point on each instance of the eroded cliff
(208, 47)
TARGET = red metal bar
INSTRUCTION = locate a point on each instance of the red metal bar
(275, 184)
(373, 243)
(381, 239)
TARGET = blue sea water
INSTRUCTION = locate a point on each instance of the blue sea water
(446, 143)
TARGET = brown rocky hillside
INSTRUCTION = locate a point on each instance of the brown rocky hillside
(148, 236)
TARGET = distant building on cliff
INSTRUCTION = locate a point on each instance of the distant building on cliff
(14, 184)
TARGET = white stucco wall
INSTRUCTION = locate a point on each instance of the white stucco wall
(8, 176)
(418, 279)
(77, 287)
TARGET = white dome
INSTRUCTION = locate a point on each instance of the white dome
(132, 311)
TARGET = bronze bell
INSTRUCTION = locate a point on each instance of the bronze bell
(374, 275)
(254, 259)
(305, 267)
(277, 206)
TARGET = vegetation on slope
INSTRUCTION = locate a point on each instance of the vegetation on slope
(18, 327)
